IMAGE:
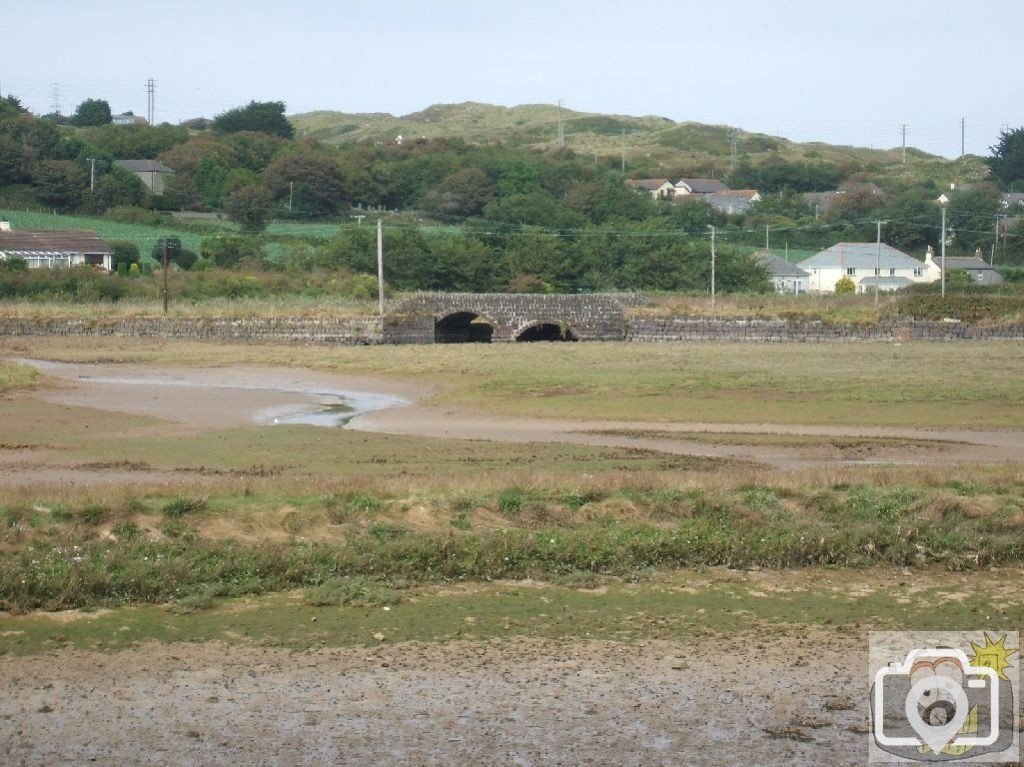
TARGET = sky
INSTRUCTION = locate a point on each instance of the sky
(839, 72)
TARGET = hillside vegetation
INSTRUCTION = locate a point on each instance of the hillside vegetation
(654, 145)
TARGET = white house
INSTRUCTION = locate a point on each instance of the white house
(733, 201)
(658, 188)
(685, 186)
(866, 264)
(787, 277)
(976, 267)
(41, 248)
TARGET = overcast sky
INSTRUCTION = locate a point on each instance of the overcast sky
(841, 72)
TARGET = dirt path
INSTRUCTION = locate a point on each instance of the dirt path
(511, 702)
(236, 396)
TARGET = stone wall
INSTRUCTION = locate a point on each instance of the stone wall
(418, 328)
(697, 329)
(343, 331)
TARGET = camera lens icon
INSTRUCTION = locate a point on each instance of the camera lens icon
(927, 699)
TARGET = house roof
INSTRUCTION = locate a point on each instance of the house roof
(45, 241)
(862, 187)
(968, 263)
(727, 202)
(778, 267)
(861, 255)
(1009, 199)
(745, 194)
(143, 166)
(702, 185)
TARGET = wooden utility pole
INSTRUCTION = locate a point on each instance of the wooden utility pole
(712, 268)
(165, 275)
(380, 266)
(878, 259)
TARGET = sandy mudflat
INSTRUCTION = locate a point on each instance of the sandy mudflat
(212, 398)
(514, 702)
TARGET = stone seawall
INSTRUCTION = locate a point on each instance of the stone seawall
(344, 331)
(697, 329)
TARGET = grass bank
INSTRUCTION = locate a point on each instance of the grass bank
(157, 549)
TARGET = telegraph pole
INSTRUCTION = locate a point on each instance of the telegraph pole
(995, 245)
(150, 100)
(623, 150)
(380, 266)
(92, 173)
(767, 229)
(712, 267)
(878, 259)
(942, 261)
(561, 128)
(165, 275)
(903, 130)
(963, 136)
(291, 193)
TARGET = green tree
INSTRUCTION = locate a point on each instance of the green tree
(91, 112)
(229, 250)
(970, 217)
(1007, 159)
(313, 181)
(117, 187)
(462, 194)
(251, 207)
(60, 183)
(173, 245)
(260, 117)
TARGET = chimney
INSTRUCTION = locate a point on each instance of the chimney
(929, 254)
(5, 226)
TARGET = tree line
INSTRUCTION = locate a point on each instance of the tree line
(561, 220)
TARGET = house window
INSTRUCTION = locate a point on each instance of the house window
(877, 271)
(892, 272)
(918, 272)
(851, 270)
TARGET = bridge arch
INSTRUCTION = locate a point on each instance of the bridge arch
(463, 326)
(546, 330)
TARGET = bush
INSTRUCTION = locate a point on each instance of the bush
(845, 286)
(123, 252)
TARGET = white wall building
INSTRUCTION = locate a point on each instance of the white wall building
(45, 249)
(865, 263)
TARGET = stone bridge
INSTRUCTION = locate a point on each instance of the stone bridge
(486, 317)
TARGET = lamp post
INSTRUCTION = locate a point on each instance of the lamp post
(943, 200)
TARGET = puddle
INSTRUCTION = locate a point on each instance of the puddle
(312, 405)
(339, 412)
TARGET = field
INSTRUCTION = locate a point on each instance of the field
(541, 531)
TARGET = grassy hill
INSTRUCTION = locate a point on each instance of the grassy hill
(653, 145)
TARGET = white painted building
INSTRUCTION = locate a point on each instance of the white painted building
(46, 249)
(865, 263)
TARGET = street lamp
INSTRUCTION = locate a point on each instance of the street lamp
(943, 201)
